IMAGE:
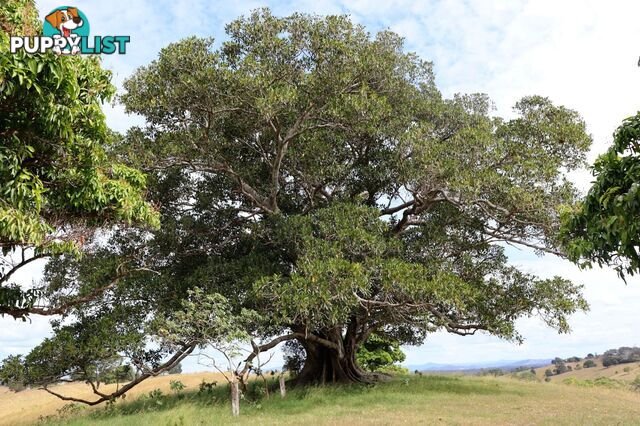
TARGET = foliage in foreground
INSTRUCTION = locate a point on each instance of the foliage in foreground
(58, 178)
(605, 227)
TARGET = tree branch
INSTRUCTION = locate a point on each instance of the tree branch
(19, 265)
(182, 353)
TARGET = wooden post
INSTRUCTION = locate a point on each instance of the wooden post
(235, 399)
(283, 390)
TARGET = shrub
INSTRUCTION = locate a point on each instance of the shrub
(156, 394)
(627, 369)
(548, 373)
(206, 387)
(589, 364)
(151, 401)
(69, 410)
(176, 385)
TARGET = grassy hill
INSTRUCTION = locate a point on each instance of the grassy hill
(616, 372)
(27, 406)
(429, 399)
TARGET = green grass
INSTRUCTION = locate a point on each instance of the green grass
(408, 400)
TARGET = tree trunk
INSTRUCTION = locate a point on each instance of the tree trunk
(283, 389)
(235, 398)
(324, 365)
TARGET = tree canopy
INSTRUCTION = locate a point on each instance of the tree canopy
(58, 180)
(605, 226)
(311, 175)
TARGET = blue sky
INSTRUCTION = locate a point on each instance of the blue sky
(582, 54)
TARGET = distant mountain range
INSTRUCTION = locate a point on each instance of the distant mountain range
(470, 367)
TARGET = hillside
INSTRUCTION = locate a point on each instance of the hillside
(27, 406)
(612, 372)
(447, 399)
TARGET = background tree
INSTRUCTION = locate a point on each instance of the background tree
(605, 227)
(561, 367)
(312, 173)
(58, 181)
(176, 370)
(12, 373)
(380, 354)
(621, 355)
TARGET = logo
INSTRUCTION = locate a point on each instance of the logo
(66, 32)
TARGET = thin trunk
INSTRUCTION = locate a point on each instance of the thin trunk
(283, 389)
(235, 399)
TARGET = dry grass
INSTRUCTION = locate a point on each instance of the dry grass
(612, 372)
(27, 406)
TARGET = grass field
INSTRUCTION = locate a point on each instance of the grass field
(431, 399)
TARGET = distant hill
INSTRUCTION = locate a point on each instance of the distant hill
(626, 372)
(477, 366)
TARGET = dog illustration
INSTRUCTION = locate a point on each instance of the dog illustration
(65, 21)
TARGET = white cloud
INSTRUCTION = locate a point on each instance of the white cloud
(582, 54)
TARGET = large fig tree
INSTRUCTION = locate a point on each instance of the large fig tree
(312, 173)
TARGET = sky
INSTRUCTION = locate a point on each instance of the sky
(581, 54)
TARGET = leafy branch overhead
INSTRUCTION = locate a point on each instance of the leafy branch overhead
(58, 180)
(604, 228)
